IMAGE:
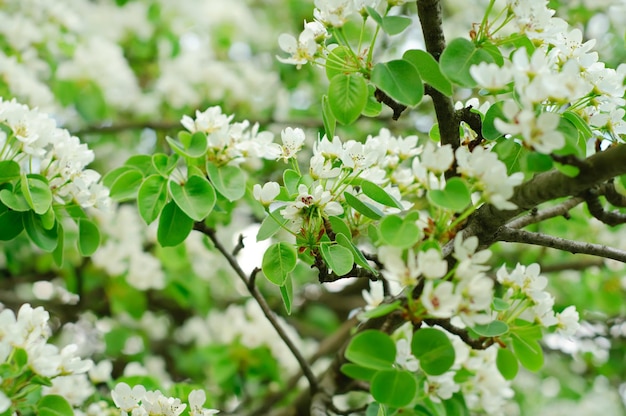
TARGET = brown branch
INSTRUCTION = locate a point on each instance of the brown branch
(254, 291)
(430, 15)
(397, 108)
(547, 186)
(130, 125)
(520, 236)
(612, 196)
(534, 217)
(596, 209)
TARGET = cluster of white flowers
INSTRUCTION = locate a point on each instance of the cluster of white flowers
(562, 72)
(231, 143)
(29, 331)
(247, 325)
(39, 146)
(123, 253)
(138, 401)
(467, 295)
(525, 292)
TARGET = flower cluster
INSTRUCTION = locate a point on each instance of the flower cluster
(28, 333)
(32, 140)
(231, 143)
(561, 73)
(525, 292)
(139, 401)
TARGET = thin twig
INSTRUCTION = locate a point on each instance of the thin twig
(596, 209)
(254, 291)
(520, 236)
(561, 209)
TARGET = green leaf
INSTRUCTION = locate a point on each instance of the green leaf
(151, 197)
(14, 200)
(339, 226)
(536, 162)
(394, 25)
(90, 102)
(37, 193)
(359, 258)
(400, 80)
(88, 237)
(581, 125)
(126, 185)
(9, 171)
(456, 195)
(270, 225)
(373, 107)
(286, 292)
(347, 96)
(575, 144)
(58, 252)
(372, 349)
(337, 257)
(429, 70)
(500, 304)
(54, 405)
(279, 260)
(198, 145)
(364, 208)
(196, 197)
(142, 163)
(434, 350)
(458, 57)
(164, 164)
(492, 329)
(43, 238)
(357, 372)
(397, 232)
(48, 218)
(490, 132)
(174, 225)
(110, 177)
(328, 118)
(395, 388)
(507, 363)
(11, 224)
(340, 60)
(374, 15)
(510, 153)
(379, 195)
(229, 181)
(291, 179)
(528, 352)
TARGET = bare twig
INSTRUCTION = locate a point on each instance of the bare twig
(520, 236)
(597, 210)
(561, 209)
(572, 265)
(304, 365)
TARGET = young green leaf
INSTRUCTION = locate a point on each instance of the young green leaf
(372, 349)
(14, 200)
(507, 363)
(174, 225)
(328, 118)
(456, 195)
(397, 232)
(54, 405)
(9, 170)
(357, 372)
(36, 191)
(291, 179)
(279, 260)
(230, 181)
(429, 70)
(434, 350)
(11, 224)
(270, 225)
(492, 329)
(151, 197)
(286, 292)
(359, 258)
(196, 197)
(490, 132)
(43, 238)
(458, 57)
(400, 80)
(340, 60)
(395, 388)
(347, 96)
(364, 208)
(528, 352)
(88, 237)
(379, 195)
(337, 257)
(126, 185)
(393, 25)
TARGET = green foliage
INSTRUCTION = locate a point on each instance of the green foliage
(400, 80)
(457, 58)
(278, 261)
(372, 349)
(434, 350)
(347, 97)
(429, 70)
(455, 196)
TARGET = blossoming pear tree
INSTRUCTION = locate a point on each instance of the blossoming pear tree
(393, 208)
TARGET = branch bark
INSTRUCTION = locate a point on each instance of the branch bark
(520, 236)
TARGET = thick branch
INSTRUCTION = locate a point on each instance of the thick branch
(304, 365)
(597, 210)
(430, 16)
(520, 236)
(545, 187)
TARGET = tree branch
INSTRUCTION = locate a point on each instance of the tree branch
(561, 209)
(430, 15)
(520, 236)
(254, 291)
(546, 186)
(596, 209)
